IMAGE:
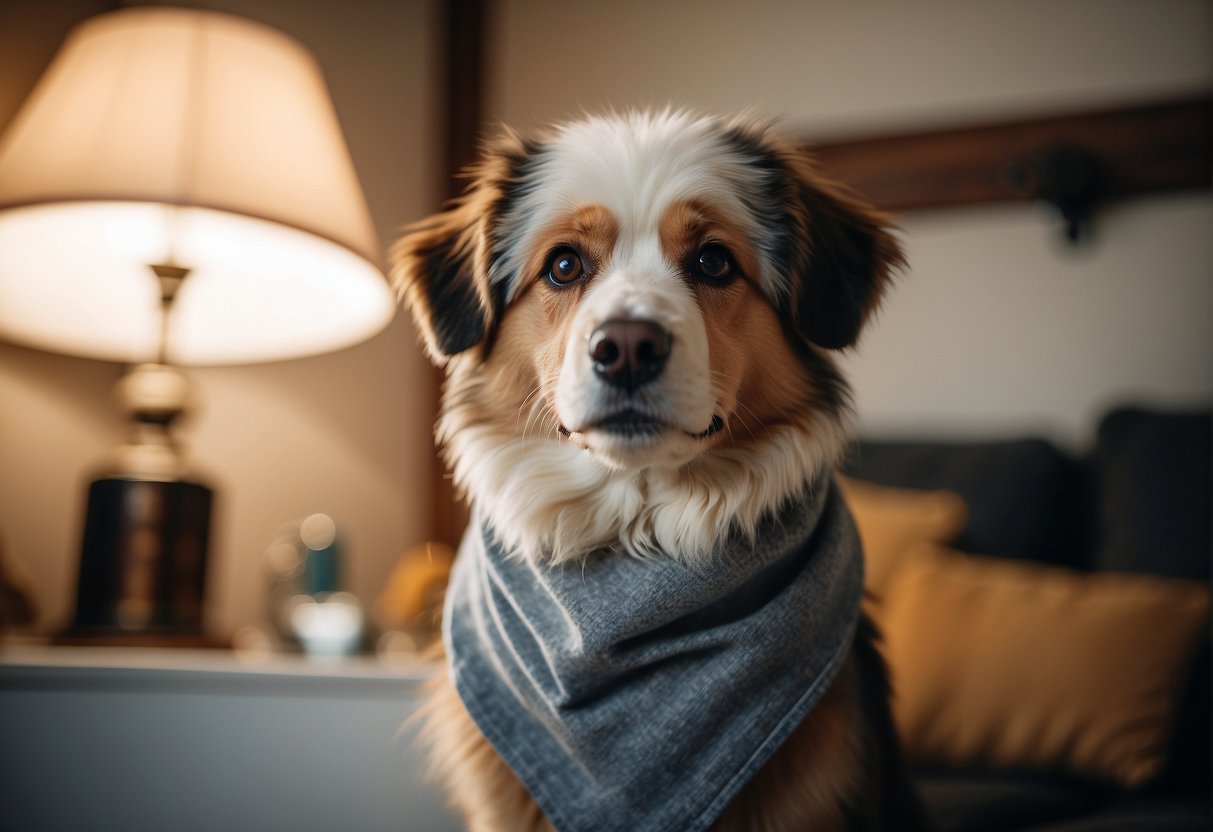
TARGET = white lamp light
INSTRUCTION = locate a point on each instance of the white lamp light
(170, 135)
(177, 190)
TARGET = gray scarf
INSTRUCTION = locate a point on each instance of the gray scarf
(643, 694)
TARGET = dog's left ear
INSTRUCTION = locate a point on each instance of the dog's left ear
(843, 257)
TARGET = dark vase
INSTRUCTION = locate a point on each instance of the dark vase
(143, 560)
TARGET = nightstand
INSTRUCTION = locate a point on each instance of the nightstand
(129, 739)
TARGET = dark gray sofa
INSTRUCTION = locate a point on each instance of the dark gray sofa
(1138, 502)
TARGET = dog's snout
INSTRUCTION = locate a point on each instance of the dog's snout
(629, 353)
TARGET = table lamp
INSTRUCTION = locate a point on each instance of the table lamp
(176, 191)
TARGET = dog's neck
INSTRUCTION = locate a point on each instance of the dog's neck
(548, 499)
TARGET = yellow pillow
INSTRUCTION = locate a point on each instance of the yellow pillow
(892, 520)
(1009, 664)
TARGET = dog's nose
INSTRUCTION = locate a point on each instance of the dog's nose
(629, 353)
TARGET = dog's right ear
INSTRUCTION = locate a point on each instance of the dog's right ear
(441, 266)
(845, 254)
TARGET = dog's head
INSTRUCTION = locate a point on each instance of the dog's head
(649, 289)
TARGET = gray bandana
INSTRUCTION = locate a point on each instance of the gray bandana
(641, 695)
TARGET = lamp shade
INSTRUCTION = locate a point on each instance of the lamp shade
(196, 138)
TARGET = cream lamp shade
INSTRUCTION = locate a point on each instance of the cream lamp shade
(197, 139)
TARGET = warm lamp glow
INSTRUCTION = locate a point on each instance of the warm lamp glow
(258, 291)
(170, 135)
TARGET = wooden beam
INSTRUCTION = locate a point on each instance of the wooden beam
(463, 91)
(1158, 146)
(464, 86)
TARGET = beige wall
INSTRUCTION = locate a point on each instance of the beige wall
(835, 66)
(996, 328)
(347, 434)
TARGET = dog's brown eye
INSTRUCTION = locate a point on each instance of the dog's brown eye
(565, 267)
(713, 264)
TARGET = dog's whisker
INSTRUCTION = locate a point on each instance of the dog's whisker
(528, 398)
(539, 411)
(535, 415)
(741, 416)
(544, 424)
(530, 412)
(547, 422)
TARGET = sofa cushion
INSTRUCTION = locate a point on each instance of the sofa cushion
(1152, 479)
(1159, 816)
(1023, 666)
(1020, 494)
(1152, 473)
(983, 801)
(976, 801)
(893, 520)
(1188, 765)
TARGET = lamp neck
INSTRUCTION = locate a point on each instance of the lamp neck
(170, 278)
(154, 396)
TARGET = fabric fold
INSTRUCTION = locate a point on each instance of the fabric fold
(643, 694)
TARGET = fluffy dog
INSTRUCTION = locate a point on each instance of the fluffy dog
(654, 620)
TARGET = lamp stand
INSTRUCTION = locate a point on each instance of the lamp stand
(143, 556)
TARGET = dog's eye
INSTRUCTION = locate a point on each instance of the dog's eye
(565, 267)
(713, 264)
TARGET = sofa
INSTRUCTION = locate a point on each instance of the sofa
(1045, 617)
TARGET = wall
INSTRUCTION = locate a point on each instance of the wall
(347, 433)
(996, 328)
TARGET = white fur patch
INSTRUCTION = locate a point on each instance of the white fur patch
(635, 166)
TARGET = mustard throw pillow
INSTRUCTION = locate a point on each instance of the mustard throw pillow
(1007, 664)
(891, 521)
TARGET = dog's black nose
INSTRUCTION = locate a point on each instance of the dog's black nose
(629, 353)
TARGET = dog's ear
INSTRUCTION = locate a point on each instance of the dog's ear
(843, 256)
(435, 270)
(441, 265)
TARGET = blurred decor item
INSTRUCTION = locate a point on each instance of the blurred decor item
(412, 601)
(176, 191)
(17, 607)
(328, 626)
(307, 609)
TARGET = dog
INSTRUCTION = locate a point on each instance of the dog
(637, 314)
